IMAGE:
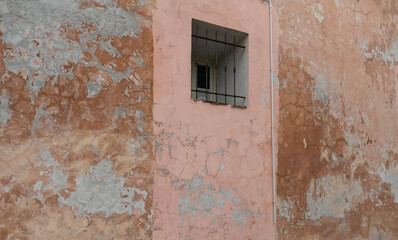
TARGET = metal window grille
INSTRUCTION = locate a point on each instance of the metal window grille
(218, 54)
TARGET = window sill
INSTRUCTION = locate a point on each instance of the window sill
(222, 104)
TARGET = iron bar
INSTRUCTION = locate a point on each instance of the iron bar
(219, 94)
(215, 74)
(225, 69)
(209, 39)
(206, 67)
(196, 64)
(234, 73)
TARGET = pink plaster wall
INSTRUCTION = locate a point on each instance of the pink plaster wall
(213, 170)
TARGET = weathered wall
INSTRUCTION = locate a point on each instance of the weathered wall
(338, 125)
(76, 119)
(86, 152)
(212, 164)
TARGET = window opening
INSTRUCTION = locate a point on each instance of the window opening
(219, 80)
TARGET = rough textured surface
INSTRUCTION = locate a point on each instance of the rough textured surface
(87, 151)
(338, 119)
(76, 119)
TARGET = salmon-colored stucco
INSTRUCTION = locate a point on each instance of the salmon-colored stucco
(213, 173)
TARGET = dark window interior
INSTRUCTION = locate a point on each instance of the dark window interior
(202, 71)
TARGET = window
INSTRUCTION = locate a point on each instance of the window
(219, 65)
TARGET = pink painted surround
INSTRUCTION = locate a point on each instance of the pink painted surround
(223, 148)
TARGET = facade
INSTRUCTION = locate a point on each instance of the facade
(116, 122)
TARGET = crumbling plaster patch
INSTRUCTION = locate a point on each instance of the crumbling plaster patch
(333, 196)
(98, 190)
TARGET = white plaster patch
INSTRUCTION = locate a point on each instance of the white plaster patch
(320, 93)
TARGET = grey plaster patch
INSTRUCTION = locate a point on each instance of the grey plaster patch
(320, 93)
(94, 149)
(100, 190)
(390, 176)
(58, 179)
(231, 142)
(332, 196)
(220, 152)
(264, 99)
(317, 10)
(107, 46)
(222, 167)
(6, 189)
(47, 159)
(134, 147)
(37, 122)
(140, 123)
(388, 56)
(352, 139)
(201, 199)
(93, 88)
(120, 112)
(284, 209)
(37, 188)
(5, 111)
(241, 216)
(150, 218)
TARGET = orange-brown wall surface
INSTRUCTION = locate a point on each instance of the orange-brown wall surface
(76, 119)
(338, 119)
